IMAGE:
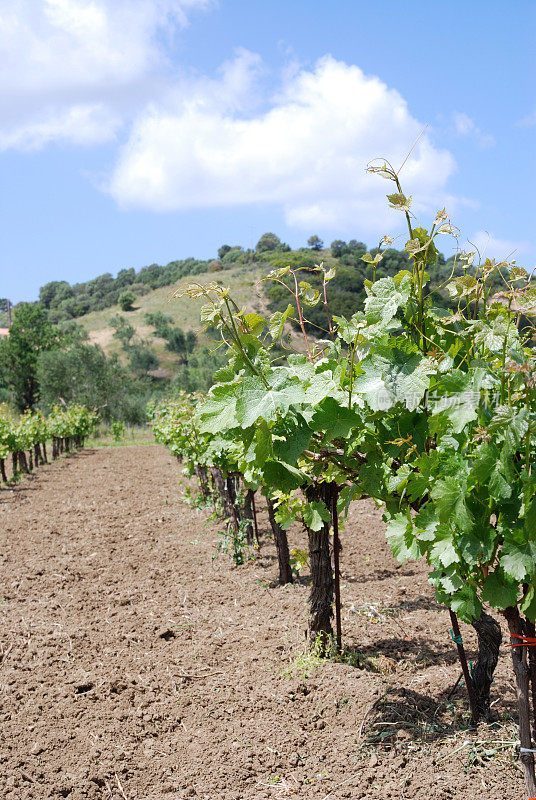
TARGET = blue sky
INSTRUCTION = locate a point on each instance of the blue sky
(141, 131)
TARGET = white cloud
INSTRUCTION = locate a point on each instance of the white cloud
(78, 124)
(464, 125)
(65, 59)
(307, 153)
(491, 246)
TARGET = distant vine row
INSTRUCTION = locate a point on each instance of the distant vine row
(25, 438)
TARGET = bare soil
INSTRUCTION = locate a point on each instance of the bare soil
(134, 666)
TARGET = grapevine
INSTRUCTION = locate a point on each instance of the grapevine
(25, 438)
(428, 408)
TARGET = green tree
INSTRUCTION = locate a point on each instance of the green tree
(124, 331)
(223, 250)
(267, 242)
(315, 242)
(126, 300)
(30, 334)
(72, 333)
(142, 359)
(81, 374)
(198, 374)
(191, 341)
(160, 322)
(178, 342)
(338, 247)
(49, 292)
(125, 277)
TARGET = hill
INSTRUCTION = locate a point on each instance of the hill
(346, 294)
(117, 343)
(184, 312)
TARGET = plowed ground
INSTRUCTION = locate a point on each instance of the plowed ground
(134, 666)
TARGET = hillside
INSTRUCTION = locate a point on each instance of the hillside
(183, 311)
(142, 343)
(346, 292)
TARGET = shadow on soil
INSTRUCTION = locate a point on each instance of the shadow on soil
(415, 652)
(421, 717)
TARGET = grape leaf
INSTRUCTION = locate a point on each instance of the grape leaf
(315, 514)
(282, 476)
(499, 590)
(528, 604)
(464, 603)
(334, 420)
(277, 321)
(385, 298)
(401, 538)
(255, 401)
(517, 559)
(448, 495)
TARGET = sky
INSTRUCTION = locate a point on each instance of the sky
(135, 132)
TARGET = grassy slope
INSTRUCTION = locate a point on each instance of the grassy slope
(184, 311)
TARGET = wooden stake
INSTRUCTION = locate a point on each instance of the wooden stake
(336, 544)
(521, 671)
(255, 526)
(531, 631)
(465, 667)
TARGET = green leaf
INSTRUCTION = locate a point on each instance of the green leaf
(530, 517)
(499, 590)
(399, 201)
(225, 374)
(454, 382)
(486, 457)
(499, 487)
(528, 604)
(315, 514)
(397, 376)
(463, 286)
(334, 420)
(449, 579)
(371, 386)
(510, 423)
(413, 246)
(443, 549)
(209, 313)
(219, 411)
(448, 495)
(263, 444)
(459, 409)
(385, 298)
(427, 244)
(290, 445)
(401, 538)
(320, 386)
(426, 523)
(517, 559)
(397, 480)
(308, 294)
(417, 486)
(278, 273)
(493, 334)
(256, 323)
(367, 258)
(277, 321)
(278, 475)
(255, 401)
(464, 603)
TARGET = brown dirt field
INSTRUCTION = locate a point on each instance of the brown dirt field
(133, 666)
